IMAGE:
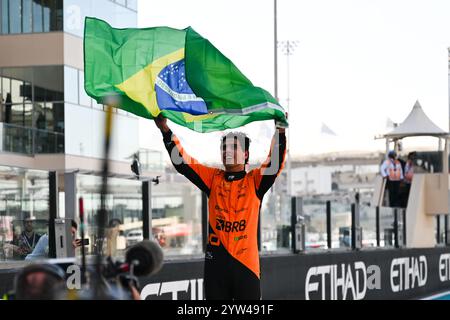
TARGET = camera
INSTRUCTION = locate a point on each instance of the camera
(143, 259)
(117, 280)
(82, 242)
(136, 165)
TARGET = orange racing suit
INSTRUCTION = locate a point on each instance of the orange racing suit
(232, 267)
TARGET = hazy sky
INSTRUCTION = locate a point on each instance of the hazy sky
(358, 62)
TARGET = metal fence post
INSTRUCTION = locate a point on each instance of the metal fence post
(377, 224)
(147, 210)
(396, 244)
(353, 228)
(356, 226)
(329, 242)
(446, 230)
(404, 227)
(298, 228)
(53, 212)
(293, 222)
(438, 227)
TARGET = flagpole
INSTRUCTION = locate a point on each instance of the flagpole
(288, 104)
(288, 48)
(275, 47)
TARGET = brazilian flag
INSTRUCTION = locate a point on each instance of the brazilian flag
(174, 72)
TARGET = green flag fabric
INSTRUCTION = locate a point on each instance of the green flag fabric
(174, 72)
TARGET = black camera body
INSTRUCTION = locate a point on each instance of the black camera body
(136, 166)
(116, 280)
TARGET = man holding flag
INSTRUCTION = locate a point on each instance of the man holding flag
(232, 268)
(164, 73)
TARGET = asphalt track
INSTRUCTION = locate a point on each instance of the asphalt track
(439, 296)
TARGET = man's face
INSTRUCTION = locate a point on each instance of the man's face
(232, 152)
(28, 226)
(74, 233)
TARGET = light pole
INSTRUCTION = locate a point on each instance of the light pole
(288, 48)
(449, 82)
(275, 47)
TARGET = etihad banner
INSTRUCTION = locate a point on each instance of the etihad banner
(376, 274)
(373, 274)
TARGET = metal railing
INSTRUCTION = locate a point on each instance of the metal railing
(359, 226)
(29, 141)
(151, 160)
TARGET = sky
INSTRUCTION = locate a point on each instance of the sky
(357, 63)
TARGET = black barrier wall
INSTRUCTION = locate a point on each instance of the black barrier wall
(391, 274)
(374, 274)
(367, 274)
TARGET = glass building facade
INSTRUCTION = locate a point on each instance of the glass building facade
(176, 215)
(30, 16)
(24, 206)
(45, 110)
(80, 109)
(32, 109)
(119, 13)
(34, 16)
(124, 205)
(43, 107)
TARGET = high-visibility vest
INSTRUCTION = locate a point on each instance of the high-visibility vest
(409, 172)
(394, 170)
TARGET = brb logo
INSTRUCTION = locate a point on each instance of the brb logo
(227, 226)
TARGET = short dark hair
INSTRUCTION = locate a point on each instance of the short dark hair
(74, 224)
(392, 154)
(241, 137)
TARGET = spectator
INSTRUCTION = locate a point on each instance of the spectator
(41, 250)
(409, 173)
(25, 243)
(391, 170)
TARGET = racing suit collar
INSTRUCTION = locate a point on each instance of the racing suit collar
(233, 176)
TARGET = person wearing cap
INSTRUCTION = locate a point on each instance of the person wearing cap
(391, 170)
(41, 249)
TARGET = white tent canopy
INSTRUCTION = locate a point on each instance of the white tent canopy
(416, 124)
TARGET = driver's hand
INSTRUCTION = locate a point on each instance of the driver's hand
(281, 127)
(161, 123)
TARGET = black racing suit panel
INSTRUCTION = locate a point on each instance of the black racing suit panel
(232, 266)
